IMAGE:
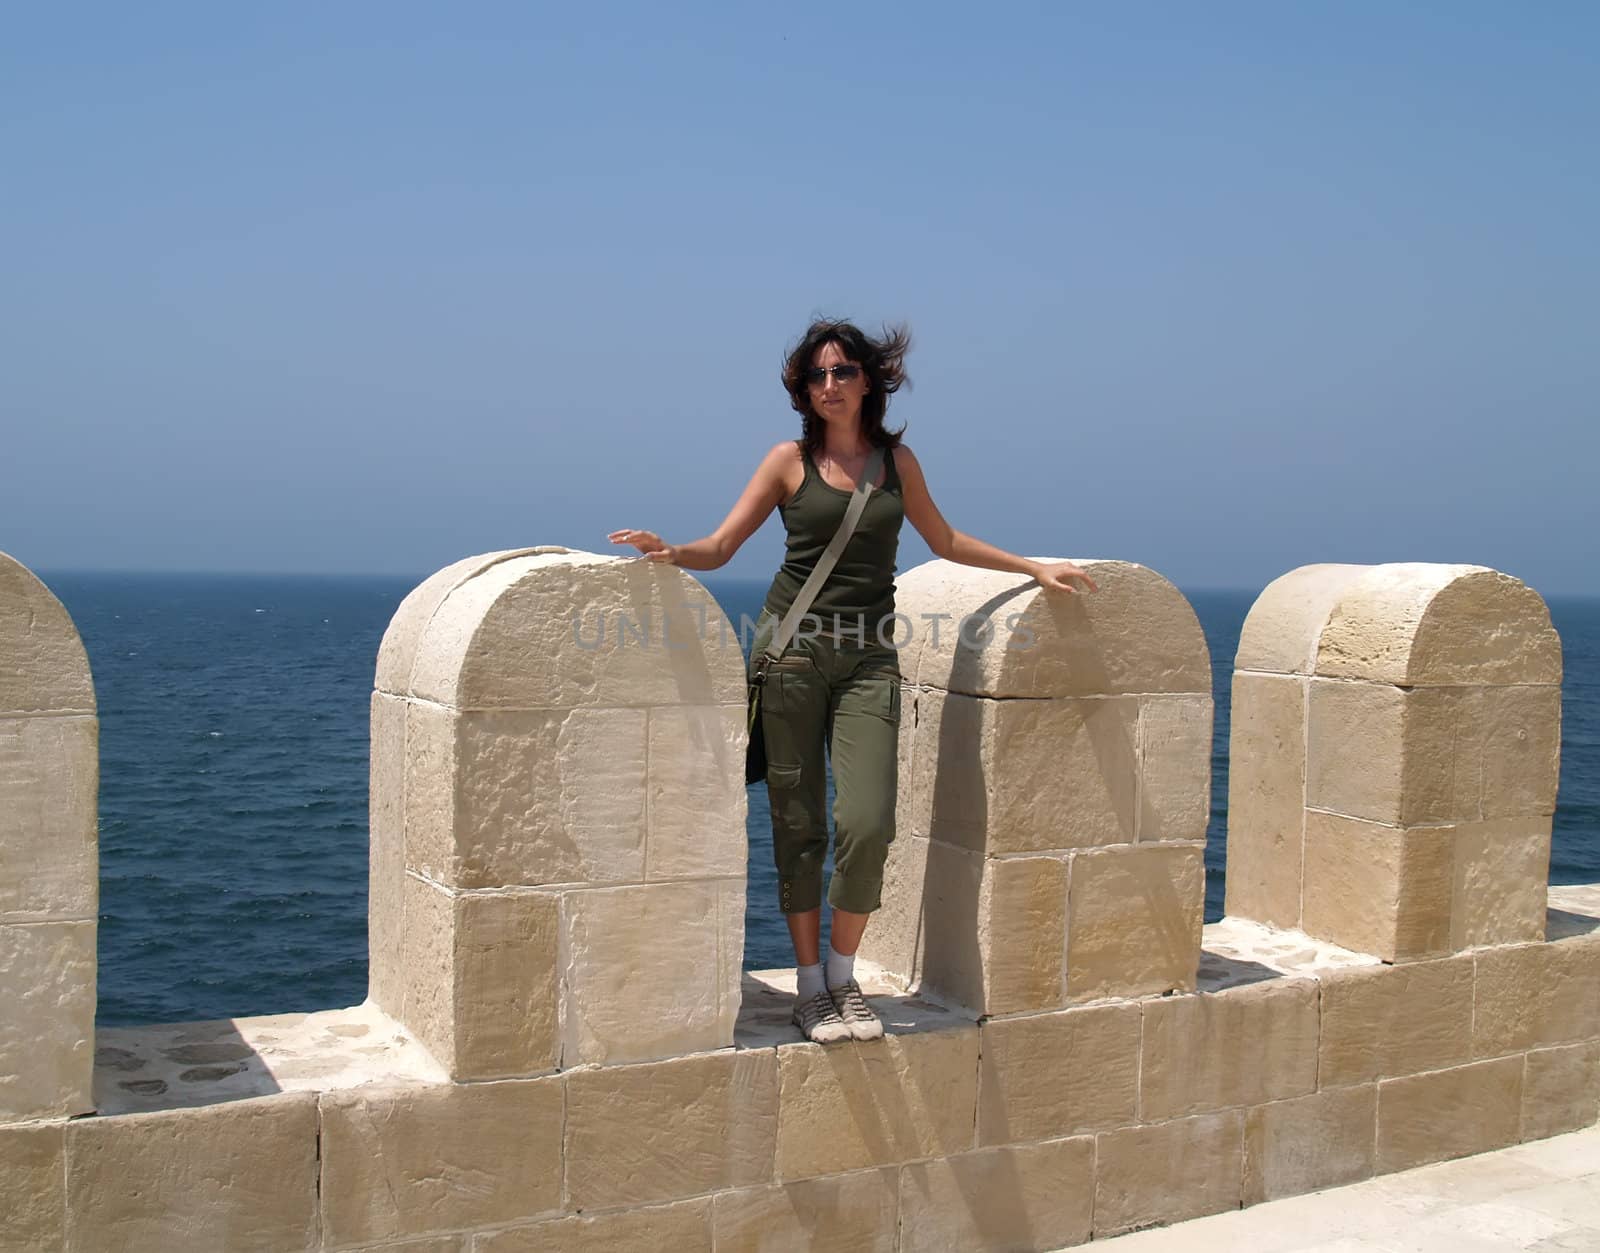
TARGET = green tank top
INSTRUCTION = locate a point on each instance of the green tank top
(861, 586)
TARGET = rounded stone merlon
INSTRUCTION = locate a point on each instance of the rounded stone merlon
(1280, 633)
(1418, 625)
(575, 629)
(989, 633)
(43, 666)
(398, 651)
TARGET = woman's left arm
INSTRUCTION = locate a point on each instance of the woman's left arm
(966, 550)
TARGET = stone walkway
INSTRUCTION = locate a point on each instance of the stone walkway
(1540, 1197)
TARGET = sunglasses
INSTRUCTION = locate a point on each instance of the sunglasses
(841, 374)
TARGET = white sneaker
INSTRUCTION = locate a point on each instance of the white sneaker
(819, 1021)
(855, 1013)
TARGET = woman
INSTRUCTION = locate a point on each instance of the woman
(837, 691)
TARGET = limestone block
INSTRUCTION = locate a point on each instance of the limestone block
(664, 1130)
(1015, 776)
(1036, 1196)
(651, 971)
(410, 1161)
(43, 667)
(895, 938)
(239, 1176)
(1378, 889)
(1500, 893)
(568, 630)
(506, 798)
(386, 865)
(397, 654)
(912, 801)
(49, 790)
(1174, 767)
(1021, 921)
(1424, 625)
(882, 1103)
(1383, 1021)
(1280, 633)
(1561, 1090)
(1448, 1113)
(1266, 798)
(1536, 995)
(32, 1189)
(1167, 1172)
(460, 1243)
(1060, 1074)
(482, 980)
(696, 792)
(685, 1226)
(1136, 634)
(1134, 919)
(1318, 1141)
(1242, 1046)
(857, 1211)
(1355, 749)
(47, 986)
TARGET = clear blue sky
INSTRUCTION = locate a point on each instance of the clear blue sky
(1222, 288)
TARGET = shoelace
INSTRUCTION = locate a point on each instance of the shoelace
(819, 1008)
(855, 1005)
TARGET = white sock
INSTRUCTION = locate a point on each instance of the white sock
(841, 968)
(808, 981)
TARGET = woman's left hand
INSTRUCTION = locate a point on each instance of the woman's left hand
(648, 543)
(1058, 577)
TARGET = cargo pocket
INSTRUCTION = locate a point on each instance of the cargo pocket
(783, 777)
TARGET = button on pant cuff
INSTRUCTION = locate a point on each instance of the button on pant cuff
(798, 896)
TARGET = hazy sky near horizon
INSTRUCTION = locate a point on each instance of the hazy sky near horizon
(1224, 289)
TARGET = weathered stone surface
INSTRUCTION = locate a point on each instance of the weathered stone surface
(684, 1226)
(894, 938)
(1355, 749)
(1060, 1074)
(1021, 925)
(32, 1189)
(1502, 868)
(664, 1130)
(1383, 1021)
(1448, 1113)
(878, 1104)
(481, 979)
(1560, 1090)
(1134, 919)
(1316, 1141)
(506, 985)
(386, 859)
(49, 789)
(43, 667)
(947, 931)
(1536, 995)
(503, 798)
(47, 986)
(525, 634)
(1136, 634)
(1167, 1172)
(460, 1243)
(1280, 633)
(1484, 752)
(1036, 1196)
(1378, 889)
(1244, 1046)
(1416, 624)
(696, 792)
(1009, 776)
(238, 1176)
(651, 971)
(1266, 798)
(1174, 767)
(857, 1211)
(411, 1161)
(397, 654)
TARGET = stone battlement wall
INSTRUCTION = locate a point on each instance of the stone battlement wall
(558, 1049)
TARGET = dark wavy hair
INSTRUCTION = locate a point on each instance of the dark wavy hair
(883, 359)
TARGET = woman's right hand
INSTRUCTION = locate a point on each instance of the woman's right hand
(648, 543)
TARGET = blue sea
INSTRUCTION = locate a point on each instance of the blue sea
(233, 791)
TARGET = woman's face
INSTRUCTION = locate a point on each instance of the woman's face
(835, 399)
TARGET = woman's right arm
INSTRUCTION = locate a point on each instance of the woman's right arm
(760, 497)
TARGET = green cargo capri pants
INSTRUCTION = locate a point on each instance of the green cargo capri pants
(837, 699)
